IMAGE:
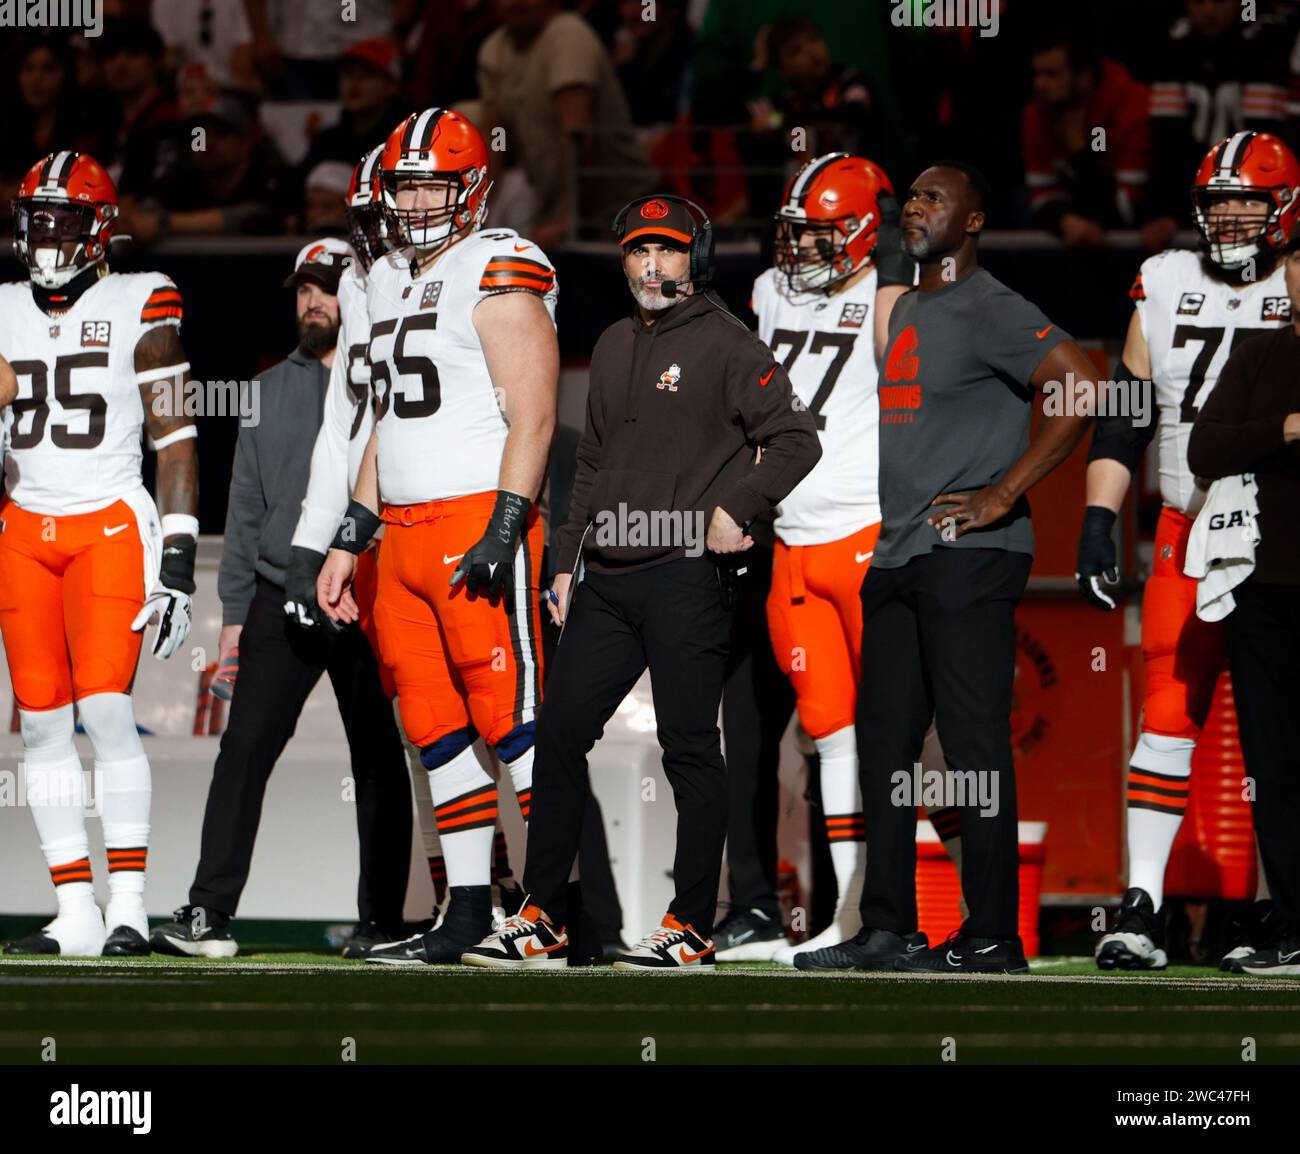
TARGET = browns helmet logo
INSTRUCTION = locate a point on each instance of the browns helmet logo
(654, 210)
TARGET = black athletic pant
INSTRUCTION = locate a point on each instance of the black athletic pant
(1263, 636)
(938, 639)
(757, 702)
(669, 618)
(279, 665)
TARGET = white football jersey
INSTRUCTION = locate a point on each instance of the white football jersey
(1191, 323)
(826, 346)
(74, 432)
(346, 421)
(441, 428)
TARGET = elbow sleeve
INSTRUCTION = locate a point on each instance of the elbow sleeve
(1123, 436)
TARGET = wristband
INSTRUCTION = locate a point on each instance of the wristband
(359, 524)
(180, 524)
(507, 521)
(177, 570)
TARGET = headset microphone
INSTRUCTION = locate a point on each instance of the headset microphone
(668, 288)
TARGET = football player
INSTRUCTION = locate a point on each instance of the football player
(1191, 310)
(816, 309)
(464, 364)
(85, 562)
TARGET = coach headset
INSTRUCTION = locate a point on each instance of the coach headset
(701, 250)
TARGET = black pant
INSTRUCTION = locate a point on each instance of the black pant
(757, 701)
(279, 666)
(1263, 636)
(669, 618)
(938, 640)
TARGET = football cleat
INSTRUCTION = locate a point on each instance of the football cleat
(673, 948)
(866, 950)
(961, 954)
(525, 941)
(1138, 941)
(195, 932)
(126, 942)
(467, 922)
(74, 934)
(1259, 929)
(747, 936)
(1279, 961)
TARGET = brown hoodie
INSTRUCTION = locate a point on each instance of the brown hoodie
(675, 411)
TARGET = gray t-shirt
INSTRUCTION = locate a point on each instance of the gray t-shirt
(955, 404)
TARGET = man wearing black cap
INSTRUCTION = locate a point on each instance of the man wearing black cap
(278, 664)
(692, 433)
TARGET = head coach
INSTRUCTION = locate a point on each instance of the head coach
(692, 432)
(963, 357)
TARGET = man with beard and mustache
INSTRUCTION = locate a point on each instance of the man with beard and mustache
(692, 434)
(278, 664)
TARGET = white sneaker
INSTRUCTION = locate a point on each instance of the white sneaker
(75, 933)
(671, 949)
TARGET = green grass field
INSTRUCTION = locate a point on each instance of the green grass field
(273, 1007)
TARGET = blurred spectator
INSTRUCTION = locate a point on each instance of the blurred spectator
(1213, 74)
(43, 114)
(325, 198)
(296, 45)
(142, 139)
(369, 76)
(1086, 141)
(652, 58)
(237, 183)
(547, 79)
(212, 35)
(444, 67)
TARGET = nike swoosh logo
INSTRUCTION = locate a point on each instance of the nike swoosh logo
(448, 560)
(914, 949)
(986, 950)
(1288, 957)
(743, 937)
(763, 380)
(952, 961)
(111, 532)
(688, 957)
(860, 557)
(1044, 333)
(522, 247)
(531, 951)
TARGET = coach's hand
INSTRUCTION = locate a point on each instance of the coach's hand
(334, 587)
(300, 603)
(959, 513)
(1096, 560)
(557, 601)
(724, 535)
(488, 567)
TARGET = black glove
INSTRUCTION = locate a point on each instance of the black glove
(300, 603)
(1096, 560)
(488, 568)
(893, 265)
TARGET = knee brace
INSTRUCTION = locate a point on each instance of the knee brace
(445, 748)
(110, 725)
(518, 741)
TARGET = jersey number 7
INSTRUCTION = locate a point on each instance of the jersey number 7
(842, 343)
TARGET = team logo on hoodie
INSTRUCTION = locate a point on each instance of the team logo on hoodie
(669, 377)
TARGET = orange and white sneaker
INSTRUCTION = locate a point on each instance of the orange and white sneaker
(671, 949)
(527, 941)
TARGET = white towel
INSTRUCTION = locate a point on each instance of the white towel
(1221, 548)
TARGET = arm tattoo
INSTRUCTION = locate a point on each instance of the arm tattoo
(178, 463)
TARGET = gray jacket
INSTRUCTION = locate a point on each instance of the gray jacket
(269, 479)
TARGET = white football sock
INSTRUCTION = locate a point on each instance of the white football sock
(465, 808)
(1159, 773)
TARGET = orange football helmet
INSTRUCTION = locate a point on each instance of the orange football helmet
(365, 210)
(834, 202)
(1253, 165)
(63, 217)
(435, 147)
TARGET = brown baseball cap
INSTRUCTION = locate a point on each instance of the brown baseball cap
(660, 218)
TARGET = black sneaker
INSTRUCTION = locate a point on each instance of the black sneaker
(195, 932)
(747, 936)
(365, 937)
(961, 954)
(125, 942)
(512, 899)
(1258, 929)
(1279, 961)
(467, 922)
(1138, 940)
(866, 950)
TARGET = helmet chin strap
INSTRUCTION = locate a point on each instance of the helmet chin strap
(60, 297)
